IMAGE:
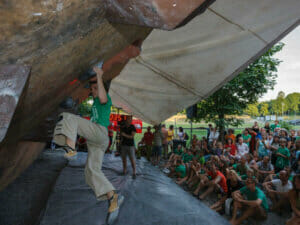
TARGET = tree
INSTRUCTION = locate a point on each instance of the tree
(293, 101)
(236, 95)
(279, 105)
(263, 108)
(252, 110)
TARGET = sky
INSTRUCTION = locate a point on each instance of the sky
(288, 79)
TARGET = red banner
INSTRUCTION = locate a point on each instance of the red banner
(115, 118)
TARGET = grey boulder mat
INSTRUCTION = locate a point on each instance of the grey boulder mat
(152, 198)
(23, 201)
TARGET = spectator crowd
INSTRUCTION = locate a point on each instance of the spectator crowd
(250, 173)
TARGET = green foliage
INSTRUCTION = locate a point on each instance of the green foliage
(244, 89)
(279, 105)
(285, 125)
(86, 106)
(293, 102)
(263, 108)
(252, 110)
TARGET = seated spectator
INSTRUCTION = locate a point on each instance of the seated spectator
(278, 190)
(233, 184)
(264, 168)
(282, 155)
(251, 200)
(230, 148)
(242, 148)
(179, 170)
(241, 167)
(191, 169)
(294, 199)
(217, 149)
(217, 182)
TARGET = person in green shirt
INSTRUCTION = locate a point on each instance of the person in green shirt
(275, 125)
(251, 200)
(96, 134)
(246, 137)
(187, 157)
(283, 155)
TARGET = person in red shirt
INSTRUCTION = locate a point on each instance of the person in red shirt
(230, 147)
(147, 140)
(217, 182)
(253, 140)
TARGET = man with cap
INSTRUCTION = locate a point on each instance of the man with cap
(96, 134)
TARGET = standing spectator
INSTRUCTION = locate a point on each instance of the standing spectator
(251, 200)
(267, 127)
(171, 136)
(213, 137)
(294, 197)
(246, 137)
(278, 190)
(283, 155)
(262, 147)
(255, 127)
(209, 129)
(165, 141)
(284, 134)
(274, 147)
(230, 135)
(157, 144)
(128, 132)
(252, 146)
(275, 125)
(148, 139)
(242, 148)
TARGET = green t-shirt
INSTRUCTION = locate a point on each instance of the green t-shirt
(257, 194)
(282, 162)
(101, 112)
(178, 152)
(274, 126)
(187, 158)
(246, 137)
(181, 169)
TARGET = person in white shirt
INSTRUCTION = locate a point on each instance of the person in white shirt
(213, 136)
(278, 189)
(242, 148)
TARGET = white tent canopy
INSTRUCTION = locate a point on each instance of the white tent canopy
(179, 68)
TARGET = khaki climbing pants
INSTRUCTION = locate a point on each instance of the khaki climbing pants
(97, 142)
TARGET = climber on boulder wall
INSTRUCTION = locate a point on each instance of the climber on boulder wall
(96, 133)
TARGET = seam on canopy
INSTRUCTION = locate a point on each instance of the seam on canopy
(237, 25)
(167, 76)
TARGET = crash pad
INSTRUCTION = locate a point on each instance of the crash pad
(151, 198)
